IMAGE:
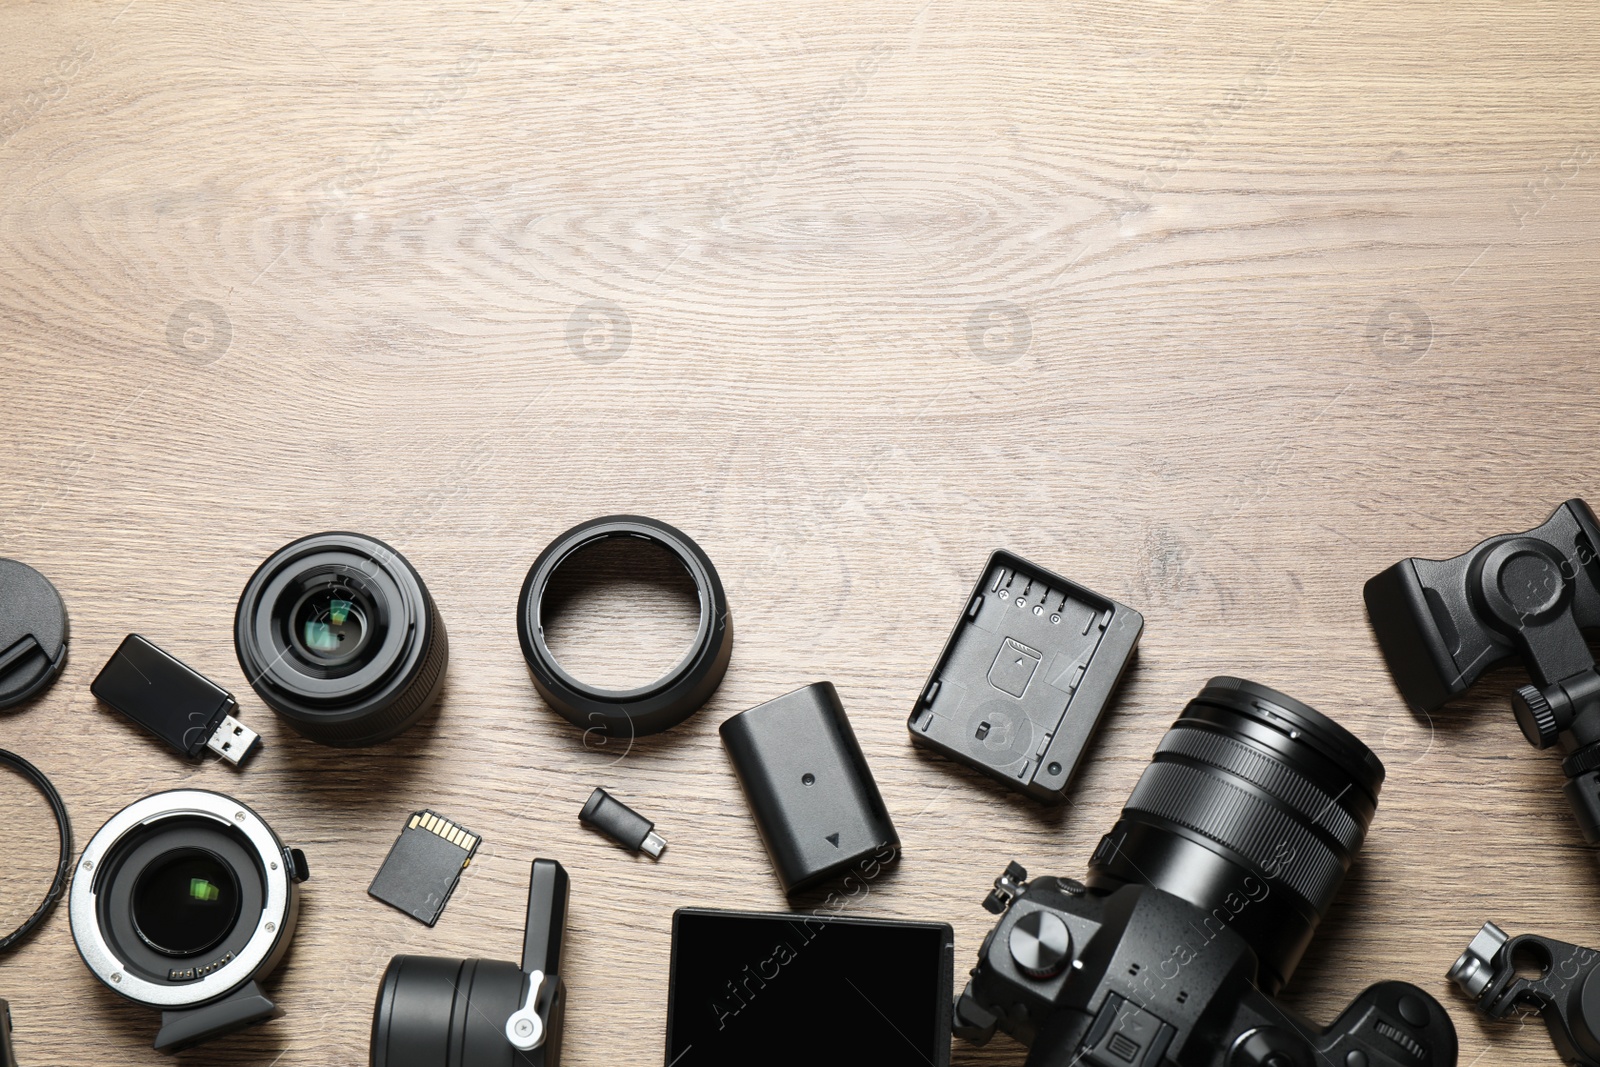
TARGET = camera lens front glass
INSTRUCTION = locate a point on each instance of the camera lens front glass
(332, 624)
(185, 901)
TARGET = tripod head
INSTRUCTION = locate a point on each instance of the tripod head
(1522, 596)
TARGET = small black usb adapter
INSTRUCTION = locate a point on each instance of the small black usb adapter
(176, 703)
(622, 824)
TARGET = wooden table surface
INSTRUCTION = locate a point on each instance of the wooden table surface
(1217, 308)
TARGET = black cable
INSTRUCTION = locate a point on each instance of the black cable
(59, 810)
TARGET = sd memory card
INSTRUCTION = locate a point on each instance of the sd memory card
(424, 865)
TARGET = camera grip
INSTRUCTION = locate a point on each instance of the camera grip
(1393, 1024)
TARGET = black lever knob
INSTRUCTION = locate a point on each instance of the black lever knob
(1540, 723)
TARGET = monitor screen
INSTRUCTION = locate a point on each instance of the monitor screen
(778, 989)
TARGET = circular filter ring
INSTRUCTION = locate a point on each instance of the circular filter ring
(647, 709)
(58, 811)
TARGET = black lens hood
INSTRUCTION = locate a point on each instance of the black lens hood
(372, 697)
(668, 700)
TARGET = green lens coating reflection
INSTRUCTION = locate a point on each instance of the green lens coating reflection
(185, 901)
(320, 637)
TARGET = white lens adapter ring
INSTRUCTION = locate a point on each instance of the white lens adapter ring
(97, 952)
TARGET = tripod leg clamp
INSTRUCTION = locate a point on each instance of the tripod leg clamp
(1566, 991)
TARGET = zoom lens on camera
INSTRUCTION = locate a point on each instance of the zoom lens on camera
(1197, 907)
(183, 902)
(337, 633)
(1250, 791)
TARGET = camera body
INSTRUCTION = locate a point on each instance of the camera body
(1138, 977)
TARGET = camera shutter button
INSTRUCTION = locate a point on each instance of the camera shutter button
(1413, 1010)
(1040, 944)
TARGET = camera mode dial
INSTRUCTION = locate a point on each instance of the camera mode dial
(1040, 944)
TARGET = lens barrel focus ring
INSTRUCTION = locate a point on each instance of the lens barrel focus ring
(1274, 843)
(1279, 779)
(1251, 796)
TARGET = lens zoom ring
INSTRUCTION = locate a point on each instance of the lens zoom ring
(1282, 781)
(1276, 844)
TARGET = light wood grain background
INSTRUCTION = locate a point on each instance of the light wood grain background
(1216, 307)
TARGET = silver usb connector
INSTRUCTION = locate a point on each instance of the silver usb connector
(233, 740)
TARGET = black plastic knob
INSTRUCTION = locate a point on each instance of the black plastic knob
(1040, 944)
(1536, 717)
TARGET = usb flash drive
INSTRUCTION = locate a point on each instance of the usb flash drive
(176, 703)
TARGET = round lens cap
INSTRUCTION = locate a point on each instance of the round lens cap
(33, 633)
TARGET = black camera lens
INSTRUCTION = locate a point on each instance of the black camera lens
(1252, 809)
(185, 901)
(337, 633)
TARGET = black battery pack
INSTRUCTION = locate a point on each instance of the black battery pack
(1026, 677)
(816, 805)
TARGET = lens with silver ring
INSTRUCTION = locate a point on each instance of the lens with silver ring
(647, 709)
(337, 633)
(183, 902)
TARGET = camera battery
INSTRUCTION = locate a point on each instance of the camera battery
(1026, 676)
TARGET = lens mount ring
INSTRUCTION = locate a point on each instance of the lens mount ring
(668, 700)
(273, 924)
